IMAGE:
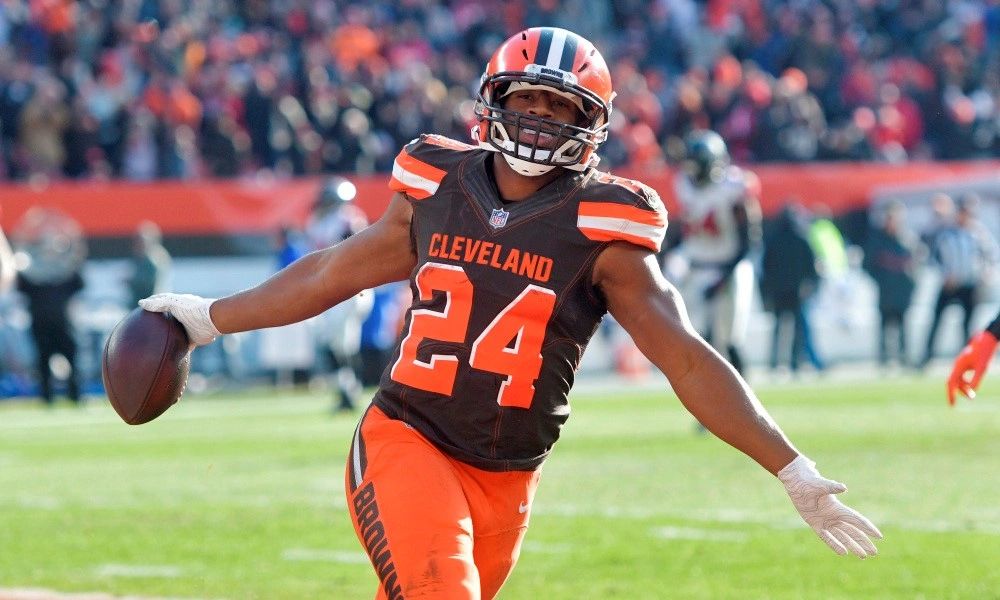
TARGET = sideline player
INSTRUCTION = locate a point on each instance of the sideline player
(721, 223)
(335, 218)
(515, 250)
(975, 357)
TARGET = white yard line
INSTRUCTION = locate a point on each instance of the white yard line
(36, 502)
(138, 571)
(693, 533)
(736, 516)
(44, 594)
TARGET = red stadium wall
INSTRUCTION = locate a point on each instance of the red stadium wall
(840, 186)
(261, 206)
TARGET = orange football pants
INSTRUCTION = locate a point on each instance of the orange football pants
(433, 526)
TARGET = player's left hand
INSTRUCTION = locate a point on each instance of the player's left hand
(841, 527)
(975, 357)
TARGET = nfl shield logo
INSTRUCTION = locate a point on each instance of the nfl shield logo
(498, 218)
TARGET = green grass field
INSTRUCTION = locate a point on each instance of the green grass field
(241, 497)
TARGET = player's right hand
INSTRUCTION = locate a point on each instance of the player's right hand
(192, 311)
(975, 357)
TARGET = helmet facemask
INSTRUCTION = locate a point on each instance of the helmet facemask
(523, 139)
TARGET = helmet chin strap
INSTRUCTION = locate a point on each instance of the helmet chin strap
(524, 167)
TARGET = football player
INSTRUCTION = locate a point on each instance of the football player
(8, 268)
(972, 362)
(335, 218)
(721, 223)
(515, 247)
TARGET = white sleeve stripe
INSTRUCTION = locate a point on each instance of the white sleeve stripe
(655, 233)
(413, 180)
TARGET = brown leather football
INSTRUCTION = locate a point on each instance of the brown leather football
(145, 365)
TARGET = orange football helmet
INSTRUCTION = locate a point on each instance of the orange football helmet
(559, 61)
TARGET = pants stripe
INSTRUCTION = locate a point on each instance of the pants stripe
(359, 458)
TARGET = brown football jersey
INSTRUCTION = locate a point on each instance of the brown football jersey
(503, 302)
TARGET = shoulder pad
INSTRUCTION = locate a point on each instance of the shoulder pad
(746, 181)
(422, 164)
(615, 208)
(445, 142)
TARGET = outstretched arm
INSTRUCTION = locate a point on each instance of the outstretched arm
(651, 310)
(312, 284)
(379, 254)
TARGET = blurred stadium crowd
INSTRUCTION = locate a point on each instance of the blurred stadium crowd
(145, 89)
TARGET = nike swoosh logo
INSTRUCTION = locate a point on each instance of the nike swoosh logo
(523, 508)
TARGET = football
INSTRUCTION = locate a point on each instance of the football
(145, 365)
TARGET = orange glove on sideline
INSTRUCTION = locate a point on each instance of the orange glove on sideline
(975, 357)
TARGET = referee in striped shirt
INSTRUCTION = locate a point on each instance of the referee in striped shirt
(962, 250)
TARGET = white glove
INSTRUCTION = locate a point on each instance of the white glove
(841, 527)
(192, 311)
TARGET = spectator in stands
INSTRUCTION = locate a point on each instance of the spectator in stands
(793, 125)
(963, 251)
(141, 155)
(41, 125)
(323, 86)
(889, 259)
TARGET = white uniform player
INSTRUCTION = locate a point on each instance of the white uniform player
(720, 218)
(335, 218)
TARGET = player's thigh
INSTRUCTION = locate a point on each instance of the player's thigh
(500, 503)
(495, 557)
(410, 513)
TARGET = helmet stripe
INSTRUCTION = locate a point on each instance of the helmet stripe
(556, 49)
(544, 42)
(568, 54)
